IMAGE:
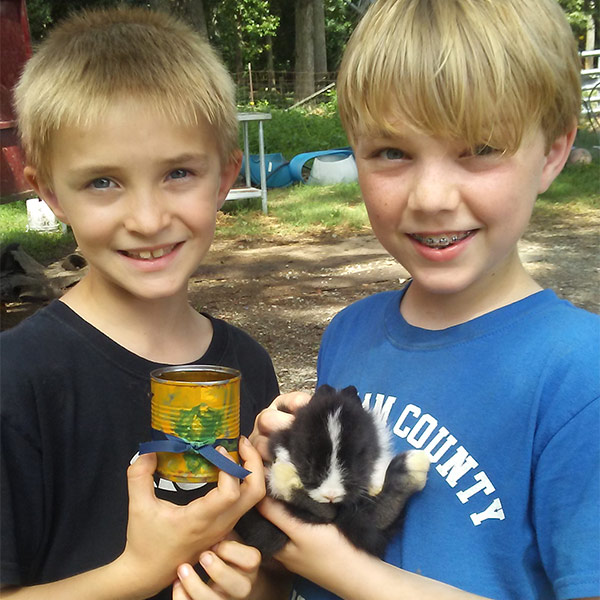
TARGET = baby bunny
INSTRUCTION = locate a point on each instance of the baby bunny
(334, 465)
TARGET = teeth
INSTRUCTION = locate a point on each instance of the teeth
(148, 254)
(441, 241)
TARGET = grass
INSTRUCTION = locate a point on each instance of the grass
(576, 184)
(300, 209)
(44, 247)
(296, 211)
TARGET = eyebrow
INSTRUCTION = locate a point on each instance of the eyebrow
(200, 160)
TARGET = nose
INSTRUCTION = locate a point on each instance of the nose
(147, 213)
(435, 189)
(332, 496)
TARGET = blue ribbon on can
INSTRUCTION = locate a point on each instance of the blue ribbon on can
(165, 442)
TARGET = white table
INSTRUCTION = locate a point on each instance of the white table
(248, 191)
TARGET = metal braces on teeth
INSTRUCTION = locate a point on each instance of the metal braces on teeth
(443, 241)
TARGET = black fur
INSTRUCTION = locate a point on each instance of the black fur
(367, 521)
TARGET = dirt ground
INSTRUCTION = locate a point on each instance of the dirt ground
(284, 294)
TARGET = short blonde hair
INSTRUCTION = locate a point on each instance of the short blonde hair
(96, 57)
(484, 71)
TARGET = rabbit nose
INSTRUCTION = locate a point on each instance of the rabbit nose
(332, 496)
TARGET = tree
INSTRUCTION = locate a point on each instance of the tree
(305, 55)
(240, 29)
(319, 39)
(584, 17)
(311, 46)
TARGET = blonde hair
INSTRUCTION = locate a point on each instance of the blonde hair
(97, 57)
(483, 71)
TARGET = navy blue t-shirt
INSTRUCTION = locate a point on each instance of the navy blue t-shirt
(75, 407)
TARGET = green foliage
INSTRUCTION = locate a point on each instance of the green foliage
(240, 28)
(39, 15)
(340, 20)
(579, 13)
(300, 130)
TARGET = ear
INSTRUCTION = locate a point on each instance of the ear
(352, 393)
(229, 174)
(556, 158)
(45, 192)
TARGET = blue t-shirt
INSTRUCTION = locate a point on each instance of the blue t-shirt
(507, 407)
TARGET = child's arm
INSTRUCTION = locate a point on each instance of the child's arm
(160, 535)
(320, 553)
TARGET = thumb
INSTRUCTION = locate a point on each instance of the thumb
(275, 511)
(140, 476)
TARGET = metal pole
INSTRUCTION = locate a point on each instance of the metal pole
(247, 153)
(263, 175)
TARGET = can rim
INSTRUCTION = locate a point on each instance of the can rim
(156, 374)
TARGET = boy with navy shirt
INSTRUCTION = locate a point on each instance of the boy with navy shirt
(129, 125)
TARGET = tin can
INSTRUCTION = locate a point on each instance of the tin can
(197, 404)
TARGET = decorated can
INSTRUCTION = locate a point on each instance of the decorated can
(199, 405)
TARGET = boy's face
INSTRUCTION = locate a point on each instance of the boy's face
(141, 194)
(450, 217)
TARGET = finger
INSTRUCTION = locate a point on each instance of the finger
(230, 495)
(246, 558)
(228, 485)
(253, 487)
(140, 479)
(179, 592)
(275, 512)
(191, 586)
(226, 578)
(293, 401)
(275, 418)
(261, 443)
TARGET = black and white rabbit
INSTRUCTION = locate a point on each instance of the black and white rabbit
(334, 465)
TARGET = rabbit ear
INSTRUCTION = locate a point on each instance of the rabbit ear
(351, 392)
(323, 391)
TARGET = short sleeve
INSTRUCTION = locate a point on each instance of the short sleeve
(566, 498)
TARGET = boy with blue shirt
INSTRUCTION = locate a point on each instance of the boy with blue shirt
(460, 112)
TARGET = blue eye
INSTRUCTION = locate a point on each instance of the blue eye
(484, 150)
(179, 174)
(101, 183)
(392, 154)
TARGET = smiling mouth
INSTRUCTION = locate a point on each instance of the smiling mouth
(149, 254)
(442, 240)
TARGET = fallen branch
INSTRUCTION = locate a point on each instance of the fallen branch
(327, 87)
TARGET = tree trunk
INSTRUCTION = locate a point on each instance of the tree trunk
(240, 67)
(590, 33)
(320, 41)
(305, 65)
(270, 63)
